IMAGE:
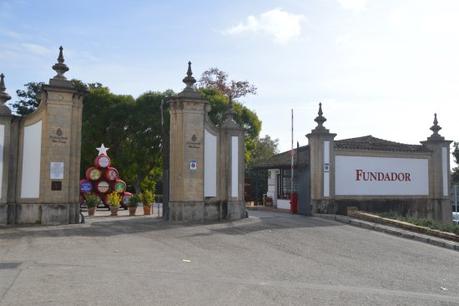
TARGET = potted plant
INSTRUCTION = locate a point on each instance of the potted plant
(114, 200)
(92, 201)
(133, 203)
(147, 200)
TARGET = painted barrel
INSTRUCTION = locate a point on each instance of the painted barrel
(119, 186)
(126, 197)
(103, 198)
(93, 174)
(85, 186)
(102, 161)
(103, 186)
(111, 174)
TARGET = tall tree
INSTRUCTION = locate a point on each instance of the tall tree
(257, 179)
(222, 94)
(246, 118)
(265, 148)
(455, 174)
(29, 98)
(217, 79)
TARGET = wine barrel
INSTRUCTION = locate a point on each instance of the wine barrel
(119, 186)
(102, 161)
(126, 197)
(103, 186)
(85, 186)
(111, 174)
(93, 174)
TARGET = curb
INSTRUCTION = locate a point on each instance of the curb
(270, 209)
(392, 231)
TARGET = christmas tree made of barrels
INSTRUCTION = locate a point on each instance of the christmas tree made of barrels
(102, 179)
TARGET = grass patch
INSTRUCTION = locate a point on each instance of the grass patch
(450, 228)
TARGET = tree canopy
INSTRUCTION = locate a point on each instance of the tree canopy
(132, 129)
(29, 98)
(214, 78)
(455, 174)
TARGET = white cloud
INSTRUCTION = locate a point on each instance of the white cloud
(356, 6)
(35, 49)
(280, 25)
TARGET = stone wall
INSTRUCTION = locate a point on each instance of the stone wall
(42, 157)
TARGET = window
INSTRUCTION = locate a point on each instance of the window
(284, 184)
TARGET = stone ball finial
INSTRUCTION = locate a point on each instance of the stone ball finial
(189, 80)
(60, 67)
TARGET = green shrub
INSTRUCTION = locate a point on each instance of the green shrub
(114, 199)
(91, 200)
(135, 200)
(450, 228)
(147, 198)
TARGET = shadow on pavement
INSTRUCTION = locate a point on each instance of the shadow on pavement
(113, 226)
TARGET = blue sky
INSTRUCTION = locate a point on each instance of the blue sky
(379, 67)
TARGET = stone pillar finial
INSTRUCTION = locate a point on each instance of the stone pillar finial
(60, 67)
(435, 128)
(3, 95)
(189, 80)
(320, 119)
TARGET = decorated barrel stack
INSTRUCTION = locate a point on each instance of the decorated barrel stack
(102, 179)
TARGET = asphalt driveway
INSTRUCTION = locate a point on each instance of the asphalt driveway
(268, 259)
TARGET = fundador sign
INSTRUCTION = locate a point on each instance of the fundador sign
(381, 176)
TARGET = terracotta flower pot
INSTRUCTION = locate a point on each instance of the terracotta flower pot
(146, 210)
(114, 211)
(132, 210)
(91, 211)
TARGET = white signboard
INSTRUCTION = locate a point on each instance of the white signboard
(381, 176)
(210, 164)
(31, 159)
(56, 170)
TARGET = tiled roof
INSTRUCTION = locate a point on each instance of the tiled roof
(370, 143)
(283, 160)
(376, 144)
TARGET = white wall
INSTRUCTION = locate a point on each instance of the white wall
(283, 204)
(210, 164)
(347, 181)
(444, 169)
(2, 148)
(234, 166)
(326, 169)
(31, 157)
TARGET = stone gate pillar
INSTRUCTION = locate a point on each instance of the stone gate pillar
(232, 167)
(206, 163)
(5, 139)
(322, 156)
(49, 155)
(186, 155)
(439, 178)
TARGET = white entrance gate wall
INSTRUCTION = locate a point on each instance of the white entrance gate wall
(379, 175)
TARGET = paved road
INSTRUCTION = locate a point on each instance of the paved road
(267, 259)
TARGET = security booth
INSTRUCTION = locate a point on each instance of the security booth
(279, 182)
